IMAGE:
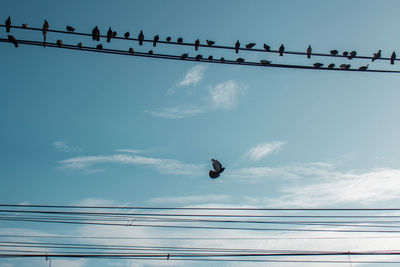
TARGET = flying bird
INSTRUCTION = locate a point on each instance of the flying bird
(309, 51)
(218, 169)
(281, 49)
(70, 28)
(45, 28)
(240, 60)
(392, 58)
(126, 35)
(237, 45)
(109, 34)
(318, 65)
(179, 40)
(59, 43)
(131, 50)
(331, 66)
(250, 45)
(12, 39)
(363, 68)
(334, 52)
(8, 24)
(184, 55)
(376, 55)
(267, 47)
(265, 62)
(155, 40)
(196, 44)
(141, 37)
(210, 43)
(168, 39)
(96, 34)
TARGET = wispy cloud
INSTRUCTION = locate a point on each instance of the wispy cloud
(176, 112)
(193, 75)
(225, 94)
(262, 150)
(133, 151)
(191, 199)
(63, 146)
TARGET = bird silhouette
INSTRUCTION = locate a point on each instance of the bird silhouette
(25, 26)
(155, 40)
(141, 37)
(309, 51)
(392, 58)
(334, 52)
(184, 55)
(131, 50)
(281, 49)
(80, 45)
(267, 47)
(96, 34)
(240, 60)
(168, 39)
(345, 53)
(8, 24)
(126, 35)
(59, 43)
(99, 46)
(114, 34)
(150, 52)
(331, 66)
(198, 57)
(12, 39)
(352, 55)
(318, 65)
(222, 59)
(237, 45)
(250, 45)
(345, 66)
(70, 28)
(218, 169)
(363, 68)
(109, 34)
(210, 43)
(45, 28)
(179, 40)
(376, 55)
(210, 57)
(265, 62)
(196, 44)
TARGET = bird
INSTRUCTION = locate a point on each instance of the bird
(96, 34)
(45, 28)
(309, 51)
(99, 46)
(281, 49)
(131, 50)
(345, 66)
(126, 35)
(352, 55)
(168, 256)
(150, 52)
(70, 28)
(376, 55)
(80, 45)
(196, 44)
(210, 57)
(250, 45)
(334, 52)
(222, 59)
(331, 66)
(114, 34)
(267, 47)
(155, 40)
(168, 39)
(210, 43)
(318, 65)
(59, 43)
(184, 55)
(8, 24)
(237, 45)
(25, 26)
(240, 60)
(198, 57)
(179, 40)
(363, 68)
(109, 34)
(141, 37)
(392, 58)
(12, 39)
(218, 169)
(265, 62)
(345, 53)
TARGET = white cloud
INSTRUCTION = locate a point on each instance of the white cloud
(224, 95)
(193, 76)
(192, 199)
(176, 112)
(63, 146)
(262, 150)
(133, 151)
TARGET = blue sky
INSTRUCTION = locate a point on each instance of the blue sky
(89, 128)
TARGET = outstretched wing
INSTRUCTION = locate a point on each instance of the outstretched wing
(216, 165)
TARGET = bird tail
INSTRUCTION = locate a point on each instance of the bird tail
(44, 40)
(154, 44)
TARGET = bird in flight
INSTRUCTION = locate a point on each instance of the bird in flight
(218, 169)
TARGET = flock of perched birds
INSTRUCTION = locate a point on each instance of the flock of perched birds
(113, 34)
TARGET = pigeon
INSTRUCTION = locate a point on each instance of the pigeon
(196, 44)
(114, 34)
(345, 53)
(250, 45)
(155, 40)
(210, 57)
(184, 55)
(131, 50)
(309, 51)
(12, 39)
(267, 47)
(237, 45)
(210, 43)
(318, 65)
(352, 55)
(8, 24)
(80, 45)
(363, 68)
(198, 57)
(59, 43)
(222, 59)
(281, 49)
(96, 34)
(334, 52)
(99, 46)
(109, 34)
(179, 40)
(168, 39)
(345, 66)
(240, 60)
(25, 26)
(265, 62)
(126, 35)
(44, 31)
(331, 66)
(218, 169)
(70, 28)
(141, 38)
(393, 58)
(376, 55)
(150, 52)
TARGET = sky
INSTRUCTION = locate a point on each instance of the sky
(89, 128)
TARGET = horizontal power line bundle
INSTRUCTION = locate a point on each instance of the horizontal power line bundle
(187, 56)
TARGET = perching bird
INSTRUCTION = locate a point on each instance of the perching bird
(267, 47)
(363, 68)
(218, 169)
(240, 60)
(393, 58)
(331, 66)
(179, 40)
(109, 34)
(345, 66)
(222, 59)
(131, 50)
(309, 51)
(196, 44)
(70, 28)
(8, 24)
(12, 39)
(318, 65)
(198, 57)
(334, 52)
(25, 26)
(59, 43)
(210, 57)
(99, 46)
(141, 38)
(352, 55)
(250, 45)
(150, 52)
(155, 40)
(210, 43)
(114, 34)
(265, 62)
(345, 53)
(126, 35)
(80, 45)
(237, 45)
(44, 31)
(96, 34)
(281, 49)
(168, 39)
(376, 55)
(184, 55)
